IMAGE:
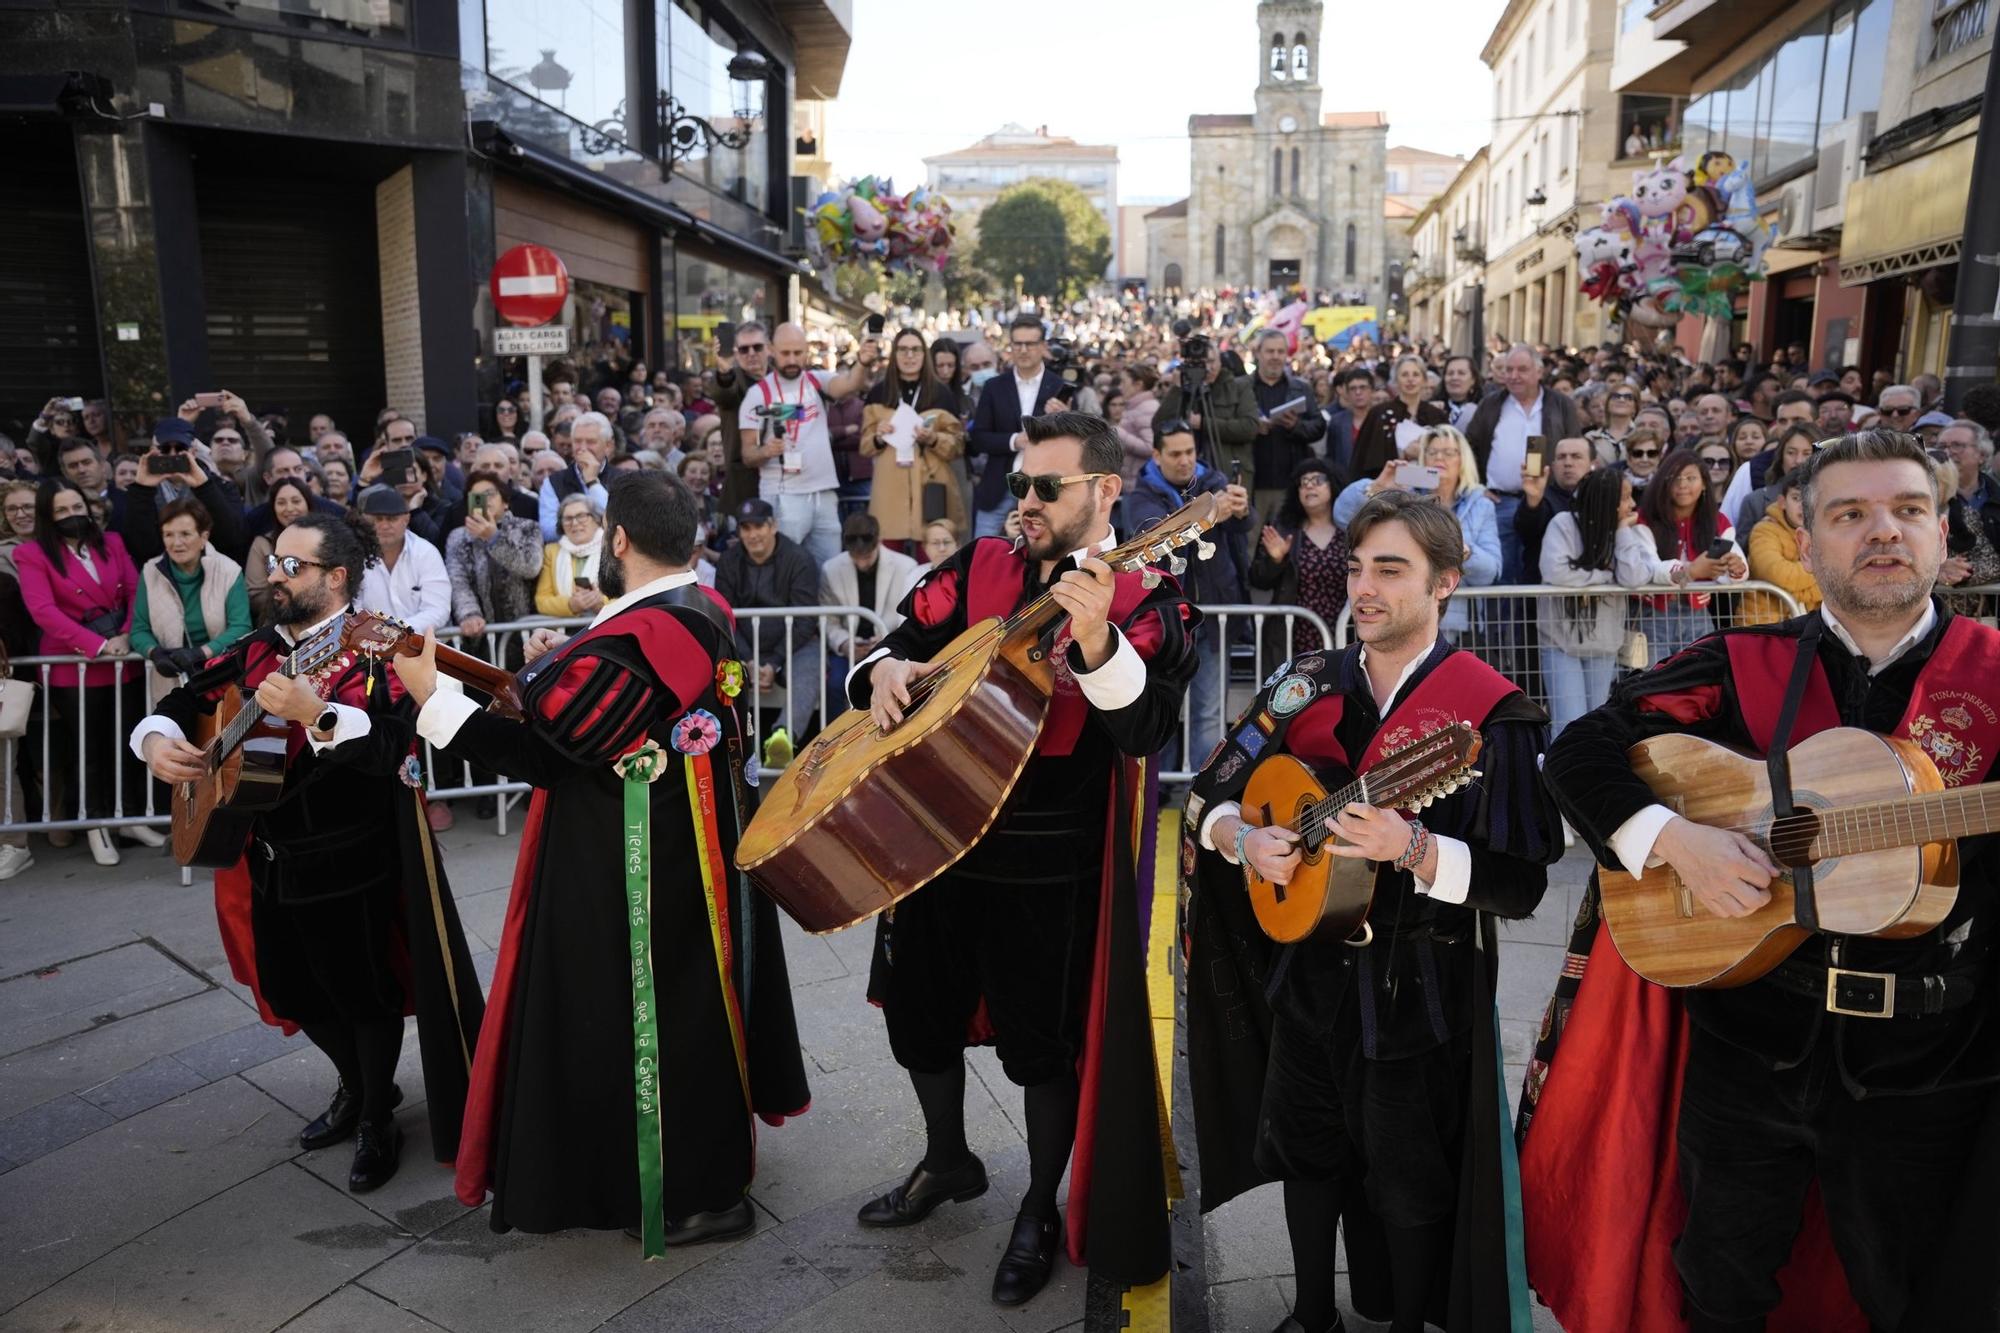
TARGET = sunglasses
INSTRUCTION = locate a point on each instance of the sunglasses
(1047, 486)
(1716, 464)
(1642, 453)
(748, 347)
(292, 565)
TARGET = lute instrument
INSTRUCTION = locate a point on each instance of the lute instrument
(245, 749)
(1876, 824)
(862, 817)
(1334, 893)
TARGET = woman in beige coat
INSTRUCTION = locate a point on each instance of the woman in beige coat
(898, 498)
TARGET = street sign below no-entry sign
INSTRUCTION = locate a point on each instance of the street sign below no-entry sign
(529, 285)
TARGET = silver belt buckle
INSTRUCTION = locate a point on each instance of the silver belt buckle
(1887, 980)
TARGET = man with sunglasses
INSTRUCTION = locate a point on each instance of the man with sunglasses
(1008, 939)
(339, 918)
(1900, 406)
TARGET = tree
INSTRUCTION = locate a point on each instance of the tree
(1047, 232)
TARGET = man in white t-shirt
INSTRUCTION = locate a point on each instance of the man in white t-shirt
(794, 457)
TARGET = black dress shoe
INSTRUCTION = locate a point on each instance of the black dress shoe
(378, 1147)
(739, 1219)
(1030, 1258)
(337, 1122)
(916, 1198)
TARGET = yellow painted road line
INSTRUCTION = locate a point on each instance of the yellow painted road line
(1149, 1309)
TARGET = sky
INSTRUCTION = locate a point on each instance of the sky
(925, 78)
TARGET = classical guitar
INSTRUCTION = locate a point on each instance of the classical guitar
(863, 817)
(244, 759)
(245, 751)
(1876, 824)
(1334, 893)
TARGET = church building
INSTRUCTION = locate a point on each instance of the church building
(1289, 195)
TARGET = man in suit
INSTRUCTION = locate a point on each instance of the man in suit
(1499, 433)
(996, 432)
(865, 573)
(1354, 394)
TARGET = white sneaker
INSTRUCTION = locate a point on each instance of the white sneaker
(102, 849)
(143, 834)
(13, 860)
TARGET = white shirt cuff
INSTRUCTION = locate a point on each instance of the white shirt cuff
(350, 723)
(1119, 682)
(1208, 829)
(855, 670)
(1454, 873)
(1633, 842)
(442, 715)
(154, 724)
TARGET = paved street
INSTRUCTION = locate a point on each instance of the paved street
(150, 1175)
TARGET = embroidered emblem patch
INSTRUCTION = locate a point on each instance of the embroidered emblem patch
(412, 772)
(1314, 662)
(751, 777)
(1195, 805)
(1252, 741)
(1231, 765)
(1276, 672)
(1291, 694)
(1211, 755)
(1187, 858)
(697, 732)
(1957, 759)
(729, 678)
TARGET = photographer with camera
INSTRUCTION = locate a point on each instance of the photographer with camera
(1218, 407)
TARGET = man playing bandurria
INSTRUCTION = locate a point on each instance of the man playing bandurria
(605, 1093)
(1031, 940)
(1833, 1119)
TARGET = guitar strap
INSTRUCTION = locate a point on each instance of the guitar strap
(1778, 764)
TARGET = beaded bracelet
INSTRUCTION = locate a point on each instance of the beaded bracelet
(1244, 829)
(1420, 844)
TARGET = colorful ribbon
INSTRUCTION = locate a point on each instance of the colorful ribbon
(640, 769)
(708, 851)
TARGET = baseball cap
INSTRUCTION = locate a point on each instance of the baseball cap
(1824, 377)
(382, 500)
(755, 511)
(172, 430)
(1936, 419)
(432, 443)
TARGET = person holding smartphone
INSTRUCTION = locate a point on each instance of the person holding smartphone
(568, 585)
(1695, 545)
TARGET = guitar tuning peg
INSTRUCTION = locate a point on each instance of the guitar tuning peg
(1205, 549)
(1177, 564)
(1150, 579)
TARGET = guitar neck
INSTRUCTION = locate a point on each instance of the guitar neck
(464, 667)
(1965, 812)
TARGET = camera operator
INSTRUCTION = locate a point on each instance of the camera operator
(1067, 367)
(1218, 407)
(171, 470)
(1284, 438)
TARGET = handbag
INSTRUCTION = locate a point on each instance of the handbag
(1635, 654)
(16, 698)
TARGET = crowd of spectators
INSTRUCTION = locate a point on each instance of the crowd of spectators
(833, 472)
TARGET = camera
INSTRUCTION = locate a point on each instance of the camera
(1064, 365)
(1195, 351)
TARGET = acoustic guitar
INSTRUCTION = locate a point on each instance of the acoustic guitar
(1334, 893)
(1877, 825)
(862, 817)
(245, 750)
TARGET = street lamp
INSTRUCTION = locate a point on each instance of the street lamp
(684, 134)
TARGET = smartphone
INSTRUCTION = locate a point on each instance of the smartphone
(874, 325)
(1235, 472)
(1531, 466)
(725, 336)
(1718, 548)
(1417, 477)
(170, 462)
(397, 464)
(205, 400)
(583, 582)
(73, 404)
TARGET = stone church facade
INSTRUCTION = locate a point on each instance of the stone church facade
(1288, 195)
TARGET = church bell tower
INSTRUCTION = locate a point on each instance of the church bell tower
(1288, 90)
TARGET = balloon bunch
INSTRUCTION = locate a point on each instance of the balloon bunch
(869, 223)
(1682, 243)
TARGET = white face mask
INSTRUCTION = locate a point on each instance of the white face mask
(980, 377)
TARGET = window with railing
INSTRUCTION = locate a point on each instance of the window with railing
(1956, 24)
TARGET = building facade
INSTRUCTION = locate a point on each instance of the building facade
(1288, 195)
(1550, 164)
(303, 203)
(1446, 280)
(976, 175)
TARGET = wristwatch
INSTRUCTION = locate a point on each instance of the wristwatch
(326, 721)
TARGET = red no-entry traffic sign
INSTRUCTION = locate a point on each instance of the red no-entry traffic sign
(529, 285)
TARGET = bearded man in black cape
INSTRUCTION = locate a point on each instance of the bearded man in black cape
(333, 932)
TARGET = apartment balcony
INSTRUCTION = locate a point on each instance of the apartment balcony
(1687, 37)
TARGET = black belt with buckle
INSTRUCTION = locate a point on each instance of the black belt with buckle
(1855, 994)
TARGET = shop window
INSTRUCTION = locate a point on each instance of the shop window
(708, 293)
(695, 50)
(1648, 125)
(570, 57)
(379, 18)
(1790, 132)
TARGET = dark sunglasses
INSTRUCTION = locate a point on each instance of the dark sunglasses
(1047, 486)
(292, 565)
(1716, 464)
(1642, 453)
(1172, 426)
(749, 347)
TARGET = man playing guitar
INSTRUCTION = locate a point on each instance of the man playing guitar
(1375, 1062)
(1862, 1065)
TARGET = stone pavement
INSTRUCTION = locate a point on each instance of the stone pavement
(151, 1179)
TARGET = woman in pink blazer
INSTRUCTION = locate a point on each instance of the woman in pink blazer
(79, 584)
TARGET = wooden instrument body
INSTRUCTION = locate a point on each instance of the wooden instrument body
(212, 816)
(1326, 892)
(1667, 937)
(862, 818)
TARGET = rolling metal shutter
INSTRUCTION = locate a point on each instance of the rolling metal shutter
(48, 310)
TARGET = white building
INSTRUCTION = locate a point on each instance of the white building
(975, 176)
(1445, 283)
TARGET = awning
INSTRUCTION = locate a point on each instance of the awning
(1908, 217)
(1779, 260)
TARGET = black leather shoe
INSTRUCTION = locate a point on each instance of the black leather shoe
(336, 1123)
(740, 1219)
(378, 1148)
(918, 1197)
(1030, 1258)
